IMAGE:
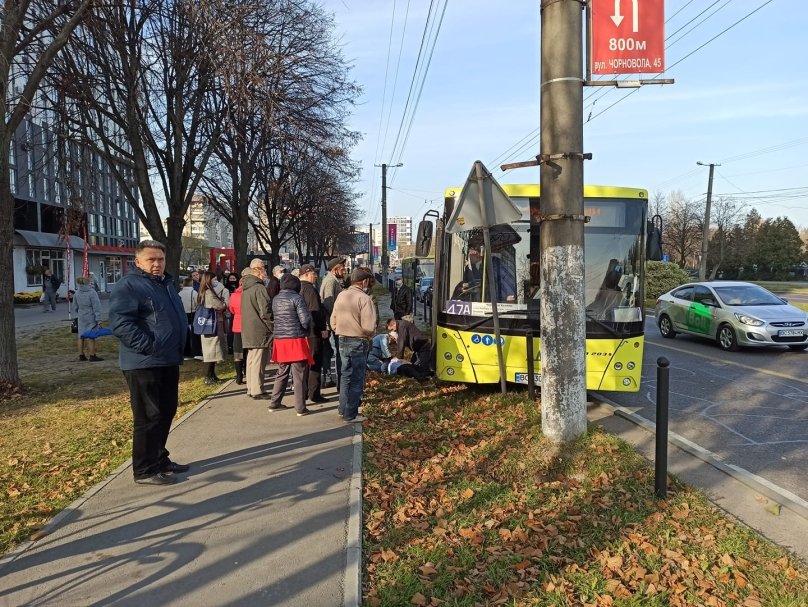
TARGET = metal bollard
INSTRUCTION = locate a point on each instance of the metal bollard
(661, 463)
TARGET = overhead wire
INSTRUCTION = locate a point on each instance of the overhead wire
(379, 142)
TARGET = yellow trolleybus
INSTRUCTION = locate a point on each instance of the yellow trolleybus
(615, 251)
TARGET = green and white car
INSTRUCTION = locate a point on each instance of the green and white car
(732, 313)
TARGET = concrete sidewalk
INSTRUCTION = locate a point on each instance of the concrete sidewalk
(269, 514)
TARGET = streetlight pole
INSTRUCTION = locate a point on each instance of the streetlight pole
(385, 258)
(705, 235)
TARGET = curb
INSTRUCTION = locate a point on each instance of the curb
(77, 503)
(353, 566)
(785, 498)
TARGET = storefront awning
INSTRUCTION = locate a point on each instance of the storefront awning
(45, 240)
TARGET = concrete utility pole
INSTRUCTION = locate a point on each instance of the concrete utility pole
(370, 246)
(563, 320)
(385, 257)
(705, 234)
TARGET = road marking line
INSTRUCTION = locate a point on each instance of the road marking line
(734, 364)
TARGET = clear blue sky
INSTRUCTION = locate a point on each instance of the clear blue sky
(741, 101)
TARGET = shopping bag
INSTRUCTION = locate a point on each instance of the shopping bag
(205, 321)
(96, 333)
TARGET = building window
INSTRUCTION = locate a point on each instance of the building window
(113, 268)
(33, 267)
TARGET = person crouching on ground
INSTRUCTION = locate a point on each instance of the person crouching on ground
(354, 321)
(213, 295)
(146, 315)
(87, 307)
(380, 355)
(290, 348)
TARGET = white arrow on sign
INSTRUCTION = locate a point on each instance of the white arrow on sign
(618, 18)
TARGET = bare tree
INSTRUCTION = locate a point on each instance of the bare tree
(141, 77)
(725, 216)
(682, 229)
(33, 34)
(287, 105)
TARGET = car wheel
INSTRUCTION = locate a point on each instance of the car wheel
(798, 347)
(666, 327)
(726, 338)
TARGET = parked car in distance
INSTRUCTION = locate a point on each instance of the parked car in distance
(423, 287)
(732, 313)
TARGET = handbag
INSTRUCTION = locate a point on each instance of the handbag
(74, 325)
(205, 321)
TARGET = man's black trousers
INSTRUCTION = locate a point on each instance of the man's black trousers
(153, 394)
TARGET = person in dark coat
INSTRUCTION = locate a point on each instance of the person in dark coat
(290, 348)
(50, 285)
(318, 331)
(402, 301)
(409, 336)
(146, 315)
(256, 327)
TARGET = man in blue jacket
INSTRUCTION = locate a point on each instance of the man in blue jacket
(146, 315)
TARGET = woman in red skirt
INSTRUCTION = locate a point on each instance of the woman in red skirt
(291, 345)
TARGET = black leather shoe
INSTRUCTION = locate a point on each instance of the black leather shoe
(263, 396)
(175, 467)
(211, 381)
(161, 478)
(319, 399)
(279, 408)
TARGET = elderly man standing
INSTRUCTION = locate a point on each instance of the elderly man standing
(331, 287)
(146, 315)
(256, 328)
(354, 321)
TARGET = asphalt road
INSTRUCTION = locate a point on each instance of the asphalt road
(750, 408)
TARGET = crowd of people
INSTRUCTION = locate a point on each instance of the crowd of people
(259, 316)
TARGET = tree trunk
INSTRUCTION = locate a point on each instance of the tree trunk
(9, 370)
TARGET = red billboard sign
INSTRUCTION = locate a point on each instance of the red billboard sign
(628, 37)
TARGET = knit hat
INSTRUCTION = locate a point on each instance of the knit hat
(337, 261)
(358, 275)
(290, 281)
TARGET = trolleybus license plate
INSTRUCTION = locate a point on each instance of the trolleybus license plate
(521, 378)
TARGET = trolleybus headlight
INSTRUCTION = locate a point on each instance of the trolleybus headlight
(459, 358)
(449, 371)
(447, 355)
(626, 382)
(630, 366)
(618, 366)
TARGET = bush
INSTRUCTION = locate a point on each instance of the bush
(27, 298)
(661, 277)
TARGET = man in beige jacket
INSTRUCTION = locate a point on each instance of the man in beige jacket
(354, 321)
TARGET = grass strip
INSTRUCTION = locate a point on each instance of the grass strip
(466, 503)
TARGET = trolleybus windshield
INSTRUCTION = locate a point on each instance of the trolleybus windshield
(613, 250)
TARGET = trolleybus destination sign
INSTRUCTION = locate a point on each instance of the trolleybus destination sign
(628, 37)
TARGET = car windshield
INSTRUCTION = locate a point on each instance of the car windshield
(426, 281)
(747, 295)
